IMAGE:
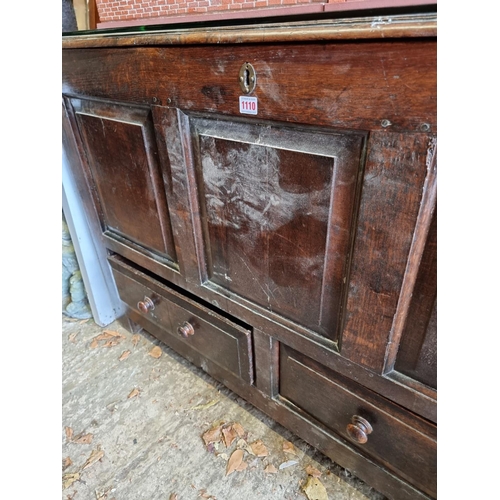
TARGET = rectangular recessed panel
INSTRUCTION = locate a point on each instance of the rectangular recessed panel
(121, 151)
(417, 353)
(277, 205)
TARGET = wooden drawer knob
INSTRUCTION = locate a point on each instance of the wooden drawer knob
(358, 429)
(145, 305)
(186, 329)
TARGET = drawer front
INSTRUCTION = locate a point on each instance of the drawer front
(333, 401)
(213, 336)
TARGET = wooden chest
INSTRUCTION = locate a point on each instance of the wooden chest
(267, 196)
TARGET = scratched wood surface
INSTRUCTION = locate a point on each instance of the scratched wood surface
(417, 355)
(276, 210)
(122, 158)
(395, 173)
(353, 85)
(312, 223)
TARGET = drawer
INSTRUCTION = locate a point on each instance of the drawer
(199, 328)
(403, 442)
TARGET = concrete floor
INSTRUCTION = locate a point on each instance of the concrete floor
(133, 429)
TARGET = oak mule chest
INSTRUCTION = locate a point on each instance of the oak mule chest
(267, 197)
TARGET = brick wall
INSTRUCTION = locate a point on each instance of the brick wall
(123, 10)
(121, 13)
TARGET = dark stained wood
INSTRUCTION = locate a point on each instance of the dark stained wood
(413, 346)
(359, 429)
(122, 157)
(392, 190)
(277, 206)
(336, 448)
(417, 354)
(398, 26)
(218, 339)
(320, 349)
(267, 352)
(313, 83)
(334, 401)
(291, 254)
(73, 152)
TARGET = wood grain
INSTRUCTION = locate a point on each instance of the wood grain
(413, 341)
(392, 189)
(217, 338)
(333, 401)
(354, 85)
(301, 241)
(276, 207)
(396, 26)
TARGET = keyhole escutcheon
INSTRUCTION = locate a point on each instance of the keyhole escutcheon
(247, 78)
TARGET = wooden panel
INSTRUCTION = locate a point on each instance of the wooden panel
(277, 205)
(267, 363)
(173, 126)
(213, 336)
(413, 344)
(417, 354)
(282, 225)
(392, 190)
(391, 26)
(122, 156)
(352, 85)
(333, 401)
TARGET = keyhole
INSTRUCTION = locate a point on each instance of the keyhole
(246, 78)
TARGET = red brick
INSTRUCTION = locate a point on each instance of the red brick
(133, 9)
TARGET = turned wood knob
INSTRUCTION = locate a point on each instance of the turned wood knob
(358, 429)
(186, 329)
(145, 305)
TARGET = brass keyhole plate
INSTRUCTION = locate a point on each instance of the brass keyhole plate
(247, 78)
